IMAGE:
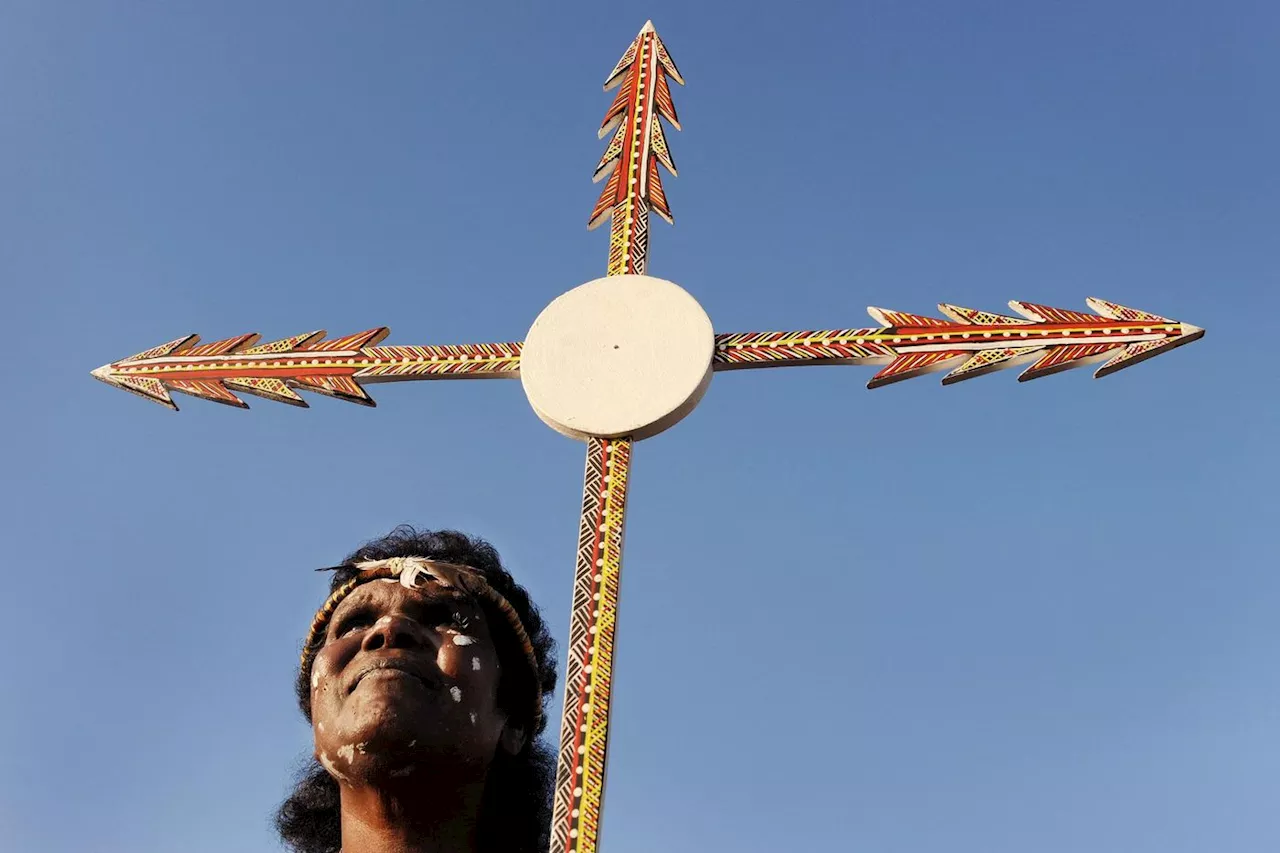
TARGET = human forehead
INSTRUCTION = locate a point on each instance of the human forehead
(387, 592)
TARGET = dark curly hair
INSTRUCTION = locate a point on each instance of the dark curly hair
(515, 814)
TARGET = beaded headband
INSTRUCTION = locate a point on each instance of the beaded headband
(413, 572)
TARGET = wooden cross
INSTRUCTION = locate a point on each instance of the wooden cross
(622, 358)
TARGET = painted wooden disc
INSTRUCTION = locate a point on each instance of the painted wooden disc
(626, 355)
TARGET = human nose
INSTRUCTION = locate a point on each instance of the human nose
(394, 632)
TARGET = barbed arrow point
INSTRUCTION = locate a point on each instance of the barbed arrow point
(143, 386)
(1141, 351)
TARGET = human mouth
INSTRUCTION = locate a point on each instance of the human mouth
(390, 670)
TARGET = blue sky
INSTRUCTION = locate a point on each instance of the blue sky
(991, 618)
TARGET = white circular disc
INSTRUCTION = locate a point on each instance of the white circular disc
(626, 355)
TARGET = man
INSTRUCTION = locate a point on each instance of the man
(423, 678)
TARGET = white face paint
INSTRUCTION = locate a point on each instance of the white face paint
(475, 664)
(473, 718)
(347, 753)
(456, 694)
(385, 620)
(463, 640)
(328, 765)
(315, 679)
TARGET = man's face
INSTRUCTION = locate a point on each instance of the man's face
(407, 678)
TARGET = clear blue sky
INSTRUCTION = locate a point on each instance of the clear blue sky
(993, 618)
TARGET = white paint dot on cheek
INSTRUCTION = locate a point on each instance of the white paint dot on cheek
(347, 753)
(315, 679)
(320, 727)
(463, 640)
(475, 664)
(456, 694)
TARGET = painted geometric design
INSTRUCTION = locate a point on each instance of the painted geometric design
(267, 388)
(1120, 312)
(223, 347)
(296, 342)
(765, 349)
(1141, 351)
(145, 387)
(980, 318)
(1049, 314)
(910, 366)
(214, 392)
(629, 239)
(911, 345)
(338, 387)
(901, 318)
(174, 346)
(662, 97)
(639, 144)
(1063, 358)
(985, 361)
(336, 368)
(624, 64)
(402, 362)
(584, 726)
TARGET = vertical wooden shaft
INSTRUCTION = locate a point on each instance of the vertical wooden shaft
(629, 238)
(584, 723)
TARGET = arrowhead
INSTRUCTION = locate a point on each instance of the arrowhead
(1143, 350)
(143, 386)
(615, 76)
(643, 96)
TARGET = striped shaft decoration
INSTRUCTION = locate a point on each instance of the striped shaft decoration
(768, 349)
(584, 726)
(629, 239)
(408, 362)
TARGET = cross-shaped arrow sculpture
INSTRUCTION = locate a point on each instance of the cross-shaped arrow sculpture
(624, 357)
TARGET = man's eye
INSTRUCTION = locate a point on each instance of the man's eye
(442, 614)
(352, 623)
